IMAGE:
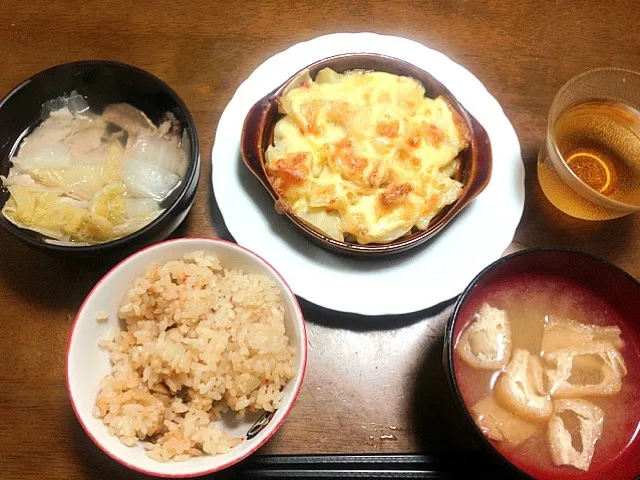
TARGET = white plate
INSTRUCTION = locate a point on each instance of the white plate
(423, 277)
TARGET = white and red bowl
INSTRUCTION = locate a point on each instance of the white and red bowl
(87, 364)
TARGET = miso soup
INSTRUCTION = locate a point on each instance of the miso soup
(551, 375)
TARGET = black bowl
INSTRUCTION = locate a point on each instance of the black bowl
(103, 83)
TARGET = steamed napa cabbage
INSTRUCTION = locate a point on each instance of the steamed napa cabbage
(83, 178)
(110, 203)
(82, 181)
(46, 212)
(148, 181)
(159, 153)
(108, 215)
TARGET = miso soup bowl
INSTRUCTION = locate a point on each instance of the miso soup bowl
(616, 287)
(102, 83)
(474, 171)
(87, 364)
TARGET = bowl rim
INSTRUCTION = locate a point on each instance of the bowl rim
(453, 318)
(273, 426)
(192, 174)
(479, 139)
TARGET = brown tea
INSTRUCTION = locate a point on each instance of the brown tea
(600, 143)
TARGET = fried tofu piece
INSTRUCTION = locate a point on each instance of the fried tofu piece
(486, 343)
(519, 388)
(500, 424)
(596, 369)
(562, 333)
(591, 420)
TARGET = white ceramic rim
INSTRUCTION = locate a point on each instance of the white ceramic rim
(503, 140)
(273, 428)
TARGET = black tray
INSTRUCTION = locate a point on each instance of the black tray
(454, 466)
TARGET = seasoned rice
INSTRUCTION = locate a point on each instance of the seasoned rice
(200, 340)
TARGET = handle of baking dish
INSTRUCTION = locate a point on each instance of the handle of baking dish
(254, 135)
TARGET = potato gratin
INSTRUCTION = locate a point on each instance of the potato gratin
(365, 156)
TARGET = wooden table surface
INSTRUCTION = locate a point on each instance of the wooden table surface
(365, 378)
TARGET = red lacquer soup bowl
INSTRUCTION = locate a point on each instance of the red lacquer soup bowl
(536, 287)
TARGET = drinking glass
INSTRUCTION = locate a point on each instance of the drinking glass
(603, 184)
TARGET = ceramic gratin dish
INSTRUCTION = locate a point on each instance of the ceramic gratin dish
(474, 169)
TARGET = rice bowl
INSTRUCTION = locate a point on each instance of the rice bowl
(222, 393)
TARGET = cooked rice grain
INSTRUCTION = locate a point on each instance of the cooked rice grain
(200, 340)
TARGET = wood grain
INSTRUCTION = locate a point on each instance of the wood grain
(364, 376)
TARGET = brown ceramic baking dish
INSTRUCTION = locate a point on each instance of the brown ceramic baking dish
(474, 168)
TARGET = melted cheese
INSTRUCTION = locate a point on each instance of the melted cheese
(365, 155)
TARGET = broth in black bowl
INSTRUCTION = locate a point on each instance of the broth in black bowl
(101, 84)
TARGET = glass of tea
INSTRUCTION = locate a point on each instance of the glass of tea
(589, 165)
